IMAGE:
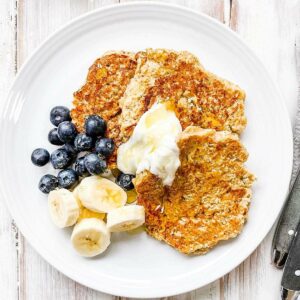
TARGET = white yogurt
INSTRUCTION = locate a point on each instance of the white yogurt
(152, 145)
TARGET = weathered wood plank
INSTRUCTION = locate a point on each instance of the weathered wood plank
(8, 231)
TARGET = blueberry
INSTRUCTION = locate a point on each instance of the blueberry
(105, 146)
(59, 114)
(53, 137)
(95, 126)
(80, 168)
(83, 142)
(67, 131)
(60, 159)
(48, 183)
(70, 149)
(95, 164)
(67, 179)
(40, 157)
(125, 181)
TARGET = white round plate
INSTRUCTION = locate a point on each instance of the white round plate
(135, 264)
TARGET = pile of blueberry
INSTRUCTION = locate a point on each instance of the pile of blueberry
(97, 148)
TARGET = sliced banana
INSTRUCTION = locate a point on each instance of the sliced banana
(75, 194)
(63, 208)
(85, 212)
(100, 194)
(90, 237)
(126, 218)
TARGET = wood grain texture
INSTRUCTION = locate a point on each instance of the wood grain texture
(269, 27)
(8, 231)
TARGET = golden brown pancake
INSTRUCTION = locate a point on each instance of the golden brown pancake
(106, 83)
(198, 97)
(121, 87)
(209, 199)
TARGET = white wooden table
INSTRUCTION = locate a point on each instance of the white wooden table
(268, 26)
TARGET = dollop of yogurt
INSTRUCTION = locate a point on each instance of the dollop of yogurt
(152, 145)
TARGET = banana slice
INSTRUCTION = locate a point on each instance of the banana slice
(84, 212)
(75, 194)
(126, 218)
(90, 237)
(63, 207)
(100, 194)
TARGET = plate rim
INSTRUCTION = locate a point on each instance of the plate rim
(130, 292)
